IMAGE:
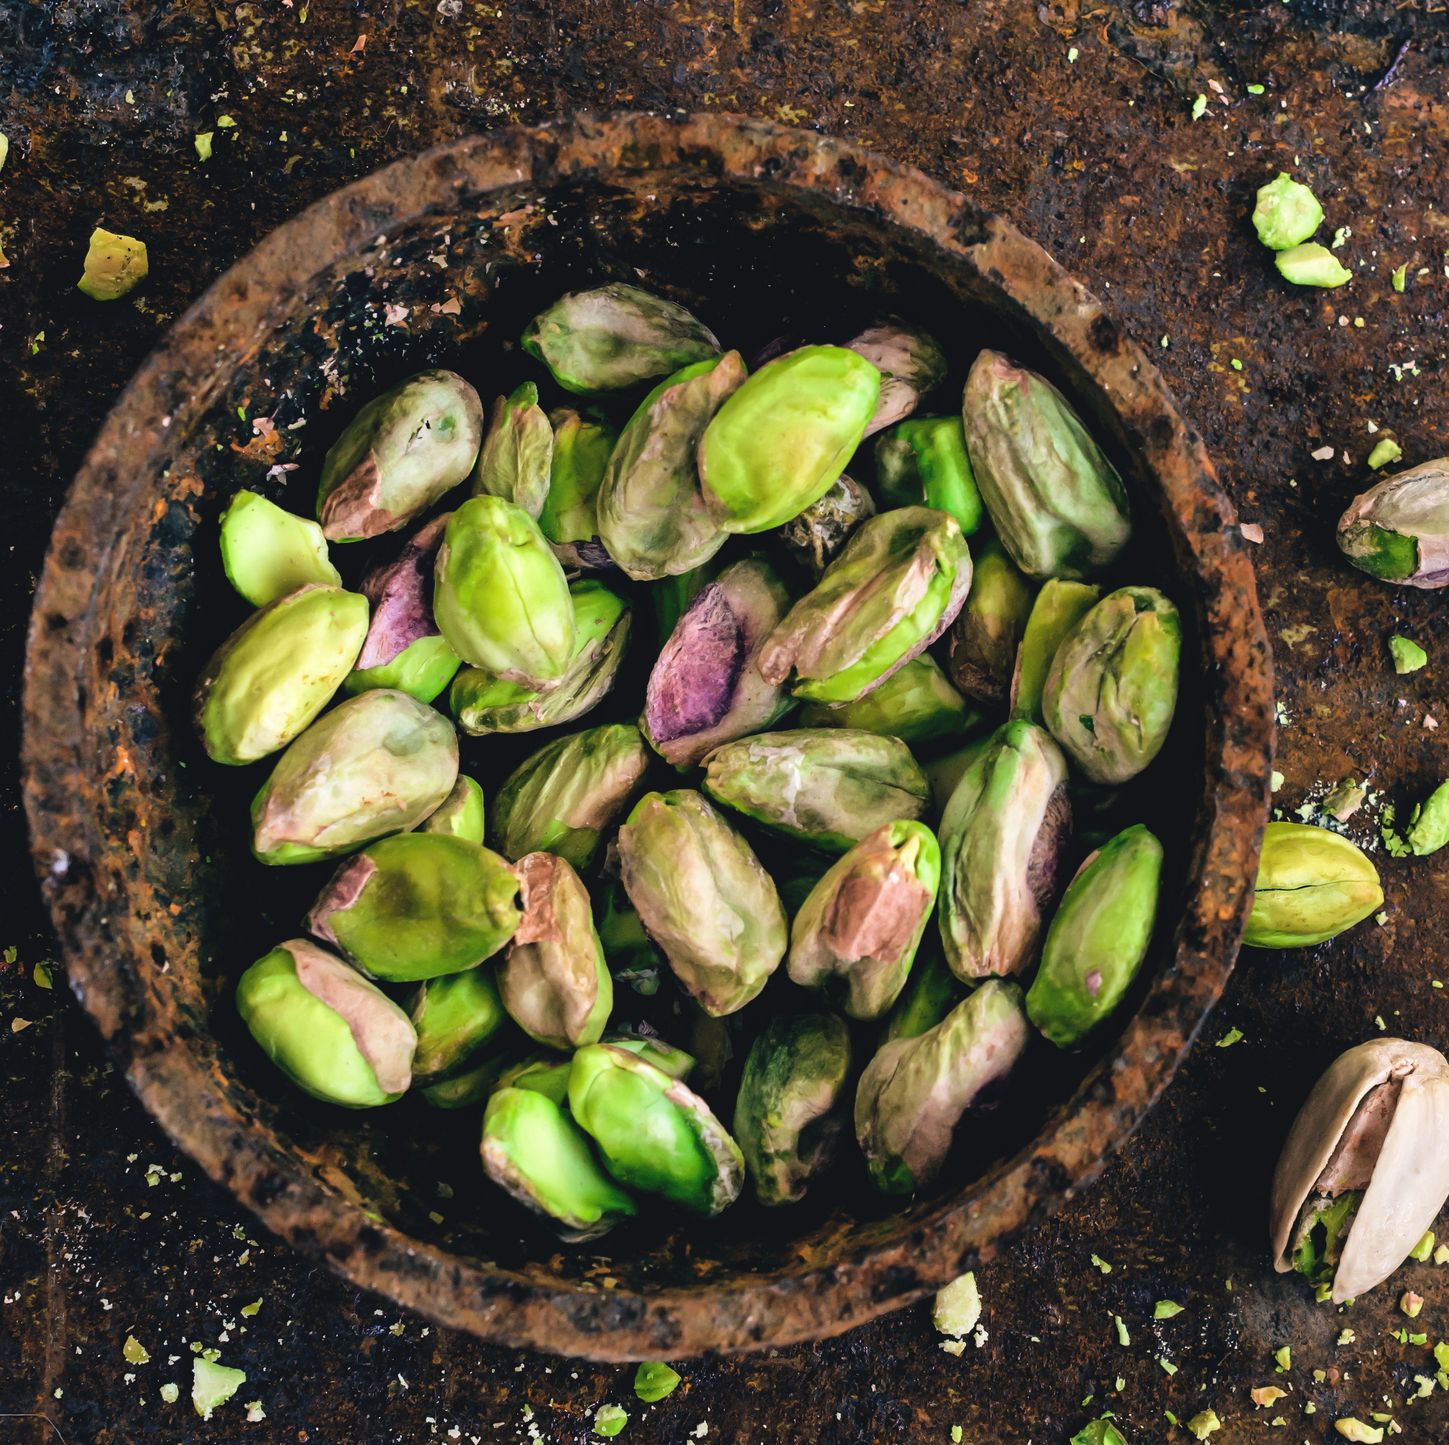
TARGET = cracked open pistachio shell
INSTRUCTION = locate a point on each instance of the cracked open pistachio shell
(1312, 885)
(923, 463)
(1364, 1170)
(916, 704)
(461, 814)
(615, 336)
(815, 537)
(788, 1114)
(652, 516)
(335, 1035)
(931, 992)
(417, 906)
(500, 596)
(915, 1091)
(517, 453)
(1112, 687)
(989, 627)
(454, 1017)
(562, 798)
(704, 898)
(855, 937)
(704, 688)
(1057, 609)
(1002, 834)
(654, 1133)
(1098, 937)
(553, 979)
(266, 552)
(1057, 503)
(404, 648)
(401, 453)
(570, 517)
(826, 786)
(378, 763)
(277, 671)
(1398, 530)
(911, 365)
(483, 703)
(532, 1150)
(783, 437)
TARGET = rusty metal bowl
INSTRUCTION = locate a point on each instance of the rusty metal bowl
(440, 259)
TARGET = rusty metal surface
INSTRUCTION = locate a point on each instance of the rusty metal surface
(985, 98)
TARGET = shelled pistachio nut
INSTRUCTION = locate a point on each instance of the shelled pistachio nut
(815, 537)
(1312, 885)
(455, 1018)
(703, 896)
(911, 365)
(1057, 503)
(516, 458)
(277, 671)
(1057, 609)
(331, 1032)
(1364, 1170)
(266, 552)
(546, 1074)
(570, 517)
(931, 992)
(675, 1062)
(916, 704)
(654, 1133)
(378, 763)
(1398, 530)
(856, 935)
(923, 463)
(470, 1087)
(989, 627)
(893, 591)
(461, 814)
(705, 688)
(399, 455)
(1002, 835)
(633, 959)
(671, 596)
(788, 1114)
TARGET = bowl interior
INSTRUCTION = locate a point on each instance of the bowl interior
(756, 257)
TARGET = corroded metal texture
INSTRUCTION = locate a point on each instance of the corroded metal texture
(441, 258)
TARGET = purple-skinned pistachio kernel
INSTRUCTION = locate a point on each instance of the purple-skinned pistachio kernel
(401, 594)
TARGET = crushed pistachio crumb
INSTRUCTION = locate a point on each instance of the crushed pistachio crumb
(1352, 1429)
(1400, 276)
(171, 1392)
(1123, 1338)
(609, 1420)
(1411, 1304)
(1203, 1424)
(1199, 106)
(1424, 1248)
(1166, 1309)
(957, 1310)
(1265, 1395)
(1284, 1358)
(134, 1352)
(1099, 1263)
(1233, 1036)
(1385, 450)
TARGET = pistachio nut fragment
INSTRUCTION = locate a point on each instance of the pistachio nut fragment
(400, 454)
(404, 648)
(856, 935)
(1363, 1172)
(333, 1034)
(562, 798)
(1429, 822)
(378, 763)
(1287, 213)
(1058, 504)
(830, 787)
(532, 1150)
(500, 596)
(1312, 885)
(1098, 937)
(931, 992)
(1398, 530)
(483, 703)
(654, 1133)
(911, 366)
(461, 814)
(472, 1086)
(815, 537)
(114, 265)
(989, 627)
(783, 437)
(417, 906)
(553, 978)
(569, 519)
(277, 671)
(787, 1116)
(1002, 837)
(266, 552)
(703, 896)
(705, 688)
(923, 463)
(516, 458)
(614, 336)
(915, 1091)
(1312, 265)
(916, 704)
(892, 592)
(454, 1017)
(1112, 687)
(651, 514)
(1057, 609)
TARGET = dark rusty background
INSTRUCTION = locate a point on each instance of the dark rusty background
(1099, 159)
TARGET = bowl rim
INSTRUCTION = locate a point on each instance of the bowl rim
(746, 1311)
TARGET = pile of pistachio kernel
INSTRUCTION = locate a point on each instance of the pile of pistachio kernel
(857, 754)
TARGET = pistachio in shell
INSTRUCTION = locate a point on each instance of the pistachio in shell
(516, 458)
(455, 1017)
(1398, 530)
(1055, 611)
(1312, 885)
(267, 552)
(570, 516)
(461, 814)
